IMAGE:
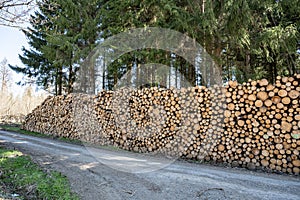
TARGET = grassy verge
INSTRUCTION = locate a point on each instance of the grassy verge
(25, 179)
(17, 129)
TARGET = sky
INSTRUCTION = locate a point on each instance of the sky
(11, 42)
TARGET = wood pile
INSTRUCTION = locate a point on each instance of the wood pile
(138, 120)
(72, 116)
(51, 117)
(262, 125)
(253, 125)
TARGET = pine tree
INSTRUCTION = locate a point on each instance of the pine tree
(62, 34)
(246, 39)
(120, 16)
(37, 65)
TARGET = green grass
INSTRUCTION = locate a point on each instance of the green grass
(26, 178)
(17, 129)
(107, 147)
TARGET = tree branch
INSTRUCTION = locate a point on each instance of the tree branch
(13, 13)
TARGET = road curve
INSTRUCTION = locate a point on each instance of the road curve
(92, 179)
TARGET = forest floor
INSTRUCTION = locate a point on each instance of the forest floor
(91, 179)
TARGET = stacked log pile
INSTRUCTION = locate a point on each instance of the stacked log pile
(262, 126)
(253, 125)
(167, 121)
(50, 117)
(72, 116)
(139, 120)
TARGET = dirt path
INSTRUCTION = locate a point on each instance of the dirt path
(92, 179)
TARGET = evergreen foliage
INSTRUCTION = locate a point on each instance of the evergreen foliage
(248, 39)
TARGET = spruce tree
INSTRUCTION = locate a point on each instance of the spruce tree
(37, 66)
(61, 35)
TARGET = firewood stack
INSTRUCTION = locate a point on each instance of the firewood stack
(262, 123)
(72, 116)
(139, 120)
(51, 117)
(253, 125)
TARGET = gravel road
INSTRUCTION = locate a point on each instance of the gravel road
(92, 179)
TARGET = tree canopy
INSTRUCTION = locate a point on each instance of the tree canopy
(248, 39)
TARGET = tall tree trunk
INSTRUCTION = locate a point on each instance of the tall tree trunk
(203, 6)
(93, 78)
(275, 73)
(60, 81)
(216, 67)
(71, 79)
(115, 76)
(176, 72)
(137, 80)
(170, 71)
(56, 83)
(103, 73)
